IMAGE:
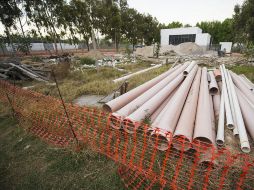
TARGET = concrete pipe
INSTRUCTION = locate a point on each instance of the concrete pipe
(242, 87)
(167, 119)
(185, 126)
(149, 107)
(204, 131)
(247, 80)
(189, 68)
(162, 106)
(245, 146)
(217, 75)
(229, 116)
(216, 106)
(220, 129)
(213, 86)
(140, 100)
(247, 111)
(121, 101)
(247, 85)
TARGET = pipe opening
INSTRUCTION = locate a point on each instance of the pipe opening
(115, 122)
(201, 142)
(218, 78)
(162, 144)
(180, 142)
(245, 149)
(230, 126)
(213, 90)
(129, 126)
(185, 73)
(106, 108)
(220, 142)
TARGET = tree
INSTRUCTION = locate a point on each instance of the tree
(175, 25)
(9, 12)
(220, 31)
(243, 23)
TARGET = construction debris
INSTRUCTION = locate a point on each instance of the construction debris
(18, 71)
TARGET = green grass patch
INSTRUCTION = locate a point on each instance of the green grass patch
(87, 61)
(26, 162)
(247, 70)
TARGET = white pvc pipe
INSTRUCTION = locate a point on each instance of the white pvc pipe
(220, 131)
(235, 130)
(230, 123)
(133, 74)
(245, 146)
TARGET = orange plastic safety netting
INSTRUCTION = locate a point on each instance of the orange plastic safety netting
(142, 164)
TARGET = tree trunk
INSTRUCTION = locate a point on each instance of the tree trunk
(9, 37)
(87, 44)
(23, 33)
(38, 28)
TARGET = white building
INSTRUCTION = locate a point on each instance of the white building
(177, 36)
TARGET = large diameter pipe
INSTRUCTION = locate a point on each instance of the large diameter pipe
(168, 118)
(185, 126)
(204, 131)
(189, 68)
(121, 101)
(247, 111)
(245, 82)
(217, 75)
(245, 146)
(213, 86)
(140, 100)
(242, 87)
(147, 109)
(162, 106)
(229, 117)
(220, 130)
(136, 73)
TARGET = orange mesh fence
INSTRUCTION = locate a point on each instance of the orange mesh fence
(142, 164)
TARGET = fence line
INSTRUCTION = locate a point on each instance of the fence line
(141, 164)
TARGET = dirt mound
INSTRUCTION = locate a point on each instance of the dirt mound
(188, 48)
(146, 51)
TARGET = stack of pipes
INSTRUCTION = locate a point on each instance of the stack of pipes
(190, 105)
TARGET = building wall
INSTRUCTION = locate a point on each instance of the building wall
(37, 47)
(203, 40)
(227, 46)
(177, 31)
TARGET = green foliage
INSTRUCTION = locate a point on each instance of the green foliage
(244, 22)
(220, 31)
(87, 61)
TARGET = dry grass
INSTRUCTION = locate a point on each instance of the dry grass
(91, 81)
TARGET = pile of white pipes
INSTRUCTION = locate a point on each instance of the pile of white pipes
(189, 103)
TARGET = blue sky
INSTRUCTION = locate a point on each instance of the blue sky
(186, 11)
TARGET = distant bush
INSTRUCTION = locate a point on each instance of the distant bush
(87, 61)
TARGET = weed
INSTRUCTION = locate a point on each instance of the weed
(87, 61)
